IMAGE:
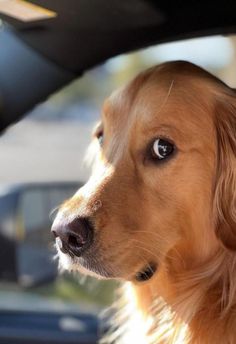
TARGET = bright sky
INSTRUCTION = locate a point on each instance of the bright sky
(214, 52)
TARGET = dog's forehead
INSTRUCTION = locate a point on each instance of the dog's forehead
(124, 103)
(159, 101)
(180, 101)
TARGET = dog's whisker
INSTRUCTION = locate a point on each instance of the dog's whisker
(147, 250)
(152, 233)
(52, 213)
(147, 246)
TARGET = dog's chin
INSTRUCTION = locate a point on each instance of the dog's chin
(91, 266)
(86, 266)
(95, 269)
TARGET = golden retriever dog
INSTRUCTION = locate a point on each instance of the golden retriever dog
(159, 210)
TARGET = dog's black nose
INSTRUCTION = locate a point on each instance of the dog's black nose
(74, 237)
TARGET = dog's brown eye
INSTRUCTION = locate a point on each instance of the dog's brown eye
(161, 149)
(100, 138)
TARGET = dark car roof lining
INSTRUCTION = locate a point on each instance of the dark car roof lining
(86, 33)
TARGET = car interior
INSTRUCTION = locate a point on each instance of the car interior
(58, 61)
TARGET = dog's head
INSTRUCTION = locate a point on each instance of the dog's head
(163, 178)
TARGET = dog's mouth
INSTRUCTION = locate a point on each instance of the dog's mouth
(146, 273)
(87, 263)
(92, 264)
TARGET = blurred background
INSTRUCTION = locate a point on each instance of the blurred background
(41, 161)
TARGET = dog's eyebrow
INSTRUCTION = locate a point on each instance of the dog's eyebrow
(161, 128)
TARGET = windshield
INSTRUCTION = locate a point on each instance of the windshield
(42, 165)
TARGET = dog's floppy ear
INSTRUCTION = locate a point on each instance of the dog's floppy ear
(225, 185)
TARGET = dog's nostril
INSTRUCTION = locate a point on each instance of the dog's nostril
(79, 236)
(76, 241)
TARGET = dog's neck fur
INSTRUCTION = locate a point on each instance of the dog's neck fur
(181, 306)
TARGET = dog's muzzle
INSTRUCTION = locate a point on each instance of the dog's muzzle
(73, 238)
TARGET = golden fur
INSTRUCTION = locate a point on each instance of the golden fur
(181, 214)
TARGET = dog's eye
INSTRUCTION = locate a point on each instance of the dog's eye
(161, 149)
(100, 138)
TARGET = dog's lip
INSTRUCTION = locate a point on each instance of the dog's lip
(88, 262)
(147, 272)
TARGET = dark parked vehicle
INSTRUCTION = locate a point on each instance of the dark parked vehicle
(26, 252)
(26, 258)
